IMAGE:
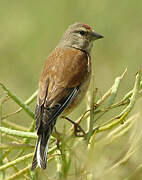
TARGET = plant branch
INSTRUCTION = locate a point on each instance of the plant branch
(15, 145)
(120, 118)
(19, 173)
(27, 102)
(91, 120)
(13, 125)
(18, 101)
(23, 158)
(21, 134)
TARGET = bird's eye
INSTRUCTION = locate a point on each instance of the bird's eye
(82, 32)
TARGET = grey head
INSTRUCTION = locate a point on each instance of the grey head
(79, 36)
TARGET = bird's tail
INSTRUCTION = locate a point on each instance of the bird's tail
(41, 149)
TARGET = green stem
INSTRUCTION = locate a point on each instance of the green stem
(91, 123)
(114, 89)
(120, 118)
(18, 101)
(14, 126)
(19, 173)
(2, 173)
(21, 134)
(23, 158)
(27, 102)
(15, 146)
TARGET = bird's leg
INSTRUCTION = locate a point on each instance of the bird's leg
(95, 106)
(77, 127)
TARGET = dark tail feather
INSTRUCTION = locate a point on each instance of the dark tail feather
(34, 162)
(45, 121)
(40, 154)
(41, 149)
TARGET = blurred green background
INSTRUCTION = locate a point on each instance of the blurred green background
(29, 30)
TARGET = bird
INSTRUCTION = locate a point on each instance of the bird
(63, 83)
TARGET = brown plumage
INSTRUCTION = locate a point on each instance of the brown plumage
(63, 83)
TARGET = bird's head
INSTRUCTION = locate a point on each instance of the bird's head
(79, 36)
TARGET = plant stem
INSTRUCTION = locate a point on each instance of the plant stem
(18, 101)
(120, 118)
(23, 158)
(18, 174)
(18, 133)
(27, 102)
(91, 122)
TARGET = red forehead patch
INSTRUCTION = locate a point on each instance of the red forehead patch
(86, 26)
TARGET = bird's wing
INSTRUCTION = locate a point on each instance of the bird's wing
(60, 79)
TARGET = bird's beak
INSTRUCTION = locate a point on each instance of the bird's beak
(95, 35)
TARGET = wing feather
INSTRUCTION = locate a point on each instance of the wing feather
(59, 83)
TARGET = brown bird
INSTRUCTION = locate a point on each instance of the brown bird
(63, 83)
